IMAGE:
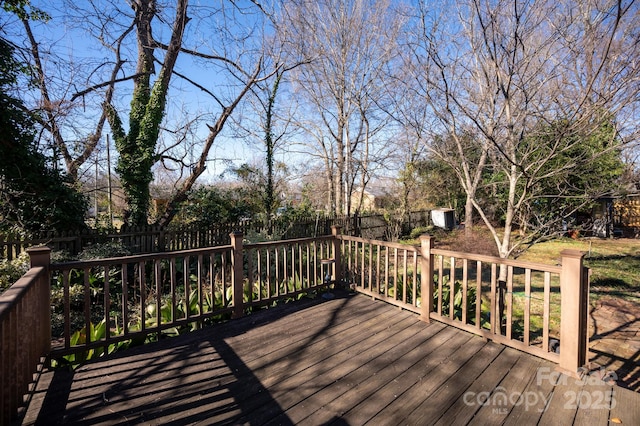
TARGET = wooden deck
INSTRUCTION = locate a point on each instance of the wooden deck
(346, 361)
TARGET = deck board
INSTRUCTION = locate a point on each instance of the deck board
(350, 361)
(430, 409)
(463, 409)
(506, 396)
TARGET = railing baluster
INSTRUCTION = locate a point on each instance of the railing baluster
(200, 288)
(158, 284)
(414, 294)
(440, 283)
(260, 280)
(187, 286)
(107, 304)
(378, 251)
(509, 302)
(478, 300)
(172, 284)
(527, 305)
(224, 276)
(395, 273)
(405, 276)
(309, 265)
(546, 312)
(371, 286)
(143, 297)
(67, 308)
(452, 286)
(267, 267)
(465, 281)
(87, 305)
(125, 298)
(301, 265)
(386, 272)
(362, 266)
(495, 321)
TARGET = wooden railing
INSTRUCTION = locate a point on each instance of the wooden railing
(110, 303)
(540, 309)
(287, 269)
(25, 333)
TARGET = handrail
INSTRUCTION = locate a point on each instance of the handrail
(496, 298)
(137, 258)
(117, 300)
(498, 260)
(24, 333)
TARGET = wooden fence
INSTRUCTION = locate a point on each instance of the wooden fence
(153, 239)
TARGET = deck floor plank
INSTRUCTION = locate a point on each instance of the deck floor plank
(344, 361)
(430, 410)
(557, 411)
(294, 378)
(371, 396)
(535, 396)
(340, 368)
(625, 406)
(463, 409)
(416, 384)
(506, 396)
(371, 368)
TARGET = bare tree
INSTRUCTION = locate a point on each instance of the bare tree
(132, 56)
(342, 86)
(506, 71)
(71, 120)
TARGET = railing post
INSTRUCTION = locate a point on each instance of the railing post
(41, 257)
(574, 301)
(238, 274)
(426, 278)
(337, 264)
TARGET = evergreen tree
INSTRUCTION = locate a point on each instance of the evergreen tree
(34, 195)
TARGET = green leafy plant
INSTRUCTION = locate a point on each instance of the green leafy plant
(12, 270)
(458, 295)
(95, 333)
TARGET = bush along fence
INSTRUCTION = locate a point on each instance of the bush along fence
(105, 305)
(153, 239)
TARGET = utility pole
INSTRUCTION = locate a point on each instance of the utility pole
(110, 211)
(95, 195)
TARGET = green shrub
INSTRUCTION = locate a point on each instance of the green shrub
(416, 232)
(104, 250)
(12, 270)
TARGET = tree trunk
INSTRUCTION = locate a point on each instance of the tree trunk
(468, 217)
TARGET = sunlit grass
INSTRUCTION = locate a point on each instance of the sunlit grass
(614, 263)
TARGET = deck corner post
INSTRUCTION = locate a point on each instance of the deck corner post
(41, 257)
(237, 276)
(337, 248)
(574, 304)
(426, 277)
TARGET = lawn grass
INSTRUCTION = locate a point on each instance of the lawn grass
(614, 263)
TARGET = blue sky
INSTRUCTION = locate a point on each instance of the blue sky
(72, 42)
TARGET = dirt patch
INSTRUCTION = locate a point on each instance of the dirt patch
(615, 339)
(480, 242)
